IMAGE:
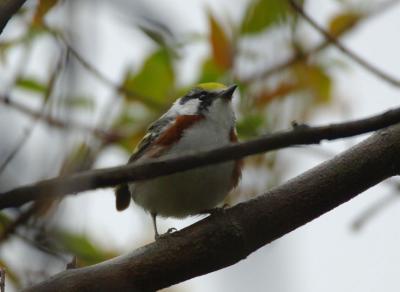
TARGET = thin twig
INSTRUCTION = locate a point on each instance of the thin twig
(55, 122)
(335, 42)
(33, 124)
(318, 48)
(2, 279)
(101, 76)
(373, 210)
(22, 218)
(107, 177)
(376, 208)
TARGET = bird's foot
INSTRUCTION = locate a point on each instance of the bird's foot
(169, 231)
(215, 211)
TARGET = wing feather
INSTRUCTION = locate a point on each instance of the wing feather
(160, 136)
(122, 193)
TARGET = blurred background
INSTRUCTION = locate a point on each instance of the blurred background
(80, 81)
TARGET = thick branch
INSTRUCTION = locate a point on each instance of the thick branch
(7, 10)
(107, 177)
(222, 240)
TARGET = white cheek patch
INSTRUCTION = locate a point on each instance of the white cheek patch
(189, 108)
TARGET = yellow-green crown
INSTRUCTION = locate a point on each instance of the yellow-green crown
(211, 86)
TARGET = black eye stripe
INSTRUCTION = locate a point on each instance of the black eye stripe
(194, 94)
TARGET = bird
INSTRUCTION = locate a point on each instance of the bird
(202, 119)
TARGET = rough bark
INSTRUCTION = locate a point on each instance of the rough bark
(224, 239)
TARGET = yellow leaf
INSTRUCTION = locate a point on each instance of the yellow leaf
(221, 46)
(315, 80)
(41, 10)
(343, 21)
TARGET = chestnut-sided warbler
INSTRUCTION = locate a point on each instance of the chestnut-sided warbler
(201, 120)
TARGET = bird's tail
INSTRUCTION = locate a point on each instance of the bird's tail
(123, 197)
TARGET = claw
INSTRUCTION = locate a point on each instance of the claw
(171, 230)
(215, 211)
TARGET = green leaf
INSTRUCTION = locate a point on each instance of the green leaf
(4, 47)
(221, 46)
(155, 81)
(250, 125)
(31, 84)
(4, 221)
(79, 102)
(262, 14)
(210, 72)
(80, 246)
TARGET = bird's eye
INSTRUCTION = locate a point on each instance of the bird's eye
(202, 96)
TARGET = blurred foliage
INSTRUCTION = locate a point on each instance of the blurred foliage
(30, 84)
(261, 14)
(344, 21)
(86, 252)
(10, 274)
(42, 8)
(263, 104)
(221, 46)
(154, 82)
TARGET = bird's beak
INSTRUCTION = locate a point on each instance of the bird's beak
(227, 93)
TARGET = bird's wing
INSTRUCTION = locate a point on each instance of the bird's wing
(153, 132)
(122, 193)
(160, 136)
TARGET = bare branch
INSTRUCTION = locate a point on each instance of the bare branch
(318, 48)
(7, 10)
(355, 57)
(101, 76)
(23, 217)
(224, 239)
(107, 177)
(55, 122)
(29, 130)
(2, 279)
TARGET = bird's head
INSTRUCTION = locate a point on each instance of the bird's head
(211, 100)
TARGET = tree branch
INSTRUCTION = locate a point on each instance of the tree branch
(7, 10)
(266, 73)
(300, 135)
(101, 76)
(362, 62)
(104, 135)
(222, 240)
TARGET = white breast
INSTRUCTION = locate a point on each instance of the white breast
(190, 192)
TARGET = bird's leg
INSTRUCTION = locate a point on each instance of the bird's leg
(154, 217)
(156, 234)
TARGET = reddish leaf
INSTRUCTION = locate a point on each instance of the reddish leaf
(221, 45)
(267, 95)
(42, 8)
